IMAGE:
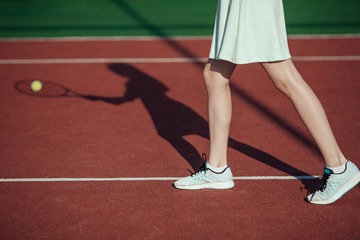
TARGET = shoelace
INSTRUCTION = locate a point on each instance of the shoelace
(202, 168)
(322, 187)
(324, 180)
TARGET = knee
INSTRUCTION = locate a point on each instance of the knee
(208, 76)
(214, 80)
(288, 84)
(282, 85)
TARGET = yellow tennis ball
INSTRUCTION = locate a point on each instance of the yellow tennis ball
(36, 86)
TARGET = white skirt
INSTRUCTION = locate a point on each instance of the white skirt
(249, 31)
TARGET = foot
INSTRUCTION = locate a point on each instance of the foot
(335, 185)
(207, 178)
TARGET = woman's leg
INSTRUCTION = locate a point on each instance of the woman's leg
(289, 81)
(215, 174)
(217, 74)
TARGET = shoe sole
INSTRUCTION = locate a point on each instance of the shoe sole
(219, 185)
(347, 187)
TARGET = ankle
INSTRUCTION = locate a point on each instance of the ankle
(339, 169)
(217, 159)
(217, 164)
(336, 161)
(216, 169)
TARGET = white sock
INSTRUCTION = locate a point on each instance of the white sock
(215, 169)
(339, 169)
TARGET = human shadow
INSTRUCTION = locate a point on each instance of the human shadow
(174, 120)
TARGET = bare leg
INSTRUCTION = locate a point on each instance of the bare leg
(289, 81)
(216, 75)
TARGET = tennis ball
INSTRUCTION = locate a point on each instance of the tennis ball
(36, 86)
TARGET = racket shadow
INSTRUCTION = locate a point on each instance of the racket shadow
(49, 89)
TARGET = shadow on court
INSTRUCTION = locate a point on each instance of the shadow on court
(174, 120)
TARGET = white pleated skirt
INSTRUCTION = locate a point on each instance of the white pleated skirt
(248, 31)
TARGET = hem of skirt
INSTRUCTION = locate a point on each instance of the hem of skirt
(255, 60)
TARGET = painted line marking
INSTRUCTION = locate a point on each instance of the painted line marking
(106, 39)
(325, 58)
(324, 36)
(158, 60)
(101, 60)
(154, 38)
(145, 179)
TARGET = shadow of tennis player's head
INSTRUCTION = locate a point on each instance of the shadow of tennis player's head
(139, 84)
(125, 70)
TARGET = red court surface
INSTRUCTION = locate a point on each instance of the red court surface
(149, 119)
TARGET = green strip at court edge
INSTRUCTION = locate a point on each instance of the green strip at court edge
(53, 18)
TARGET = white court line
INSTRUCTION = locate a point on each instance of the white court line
(100, 60)
(324, 36)
(156, 60)
(153, 38)
(325, 58)
(144, 179)
(105, 39)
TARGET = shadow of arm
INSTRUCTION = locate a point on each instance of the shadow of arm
(111, 100)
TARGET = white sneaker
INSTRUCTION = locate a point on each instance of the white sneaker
(207, 178)
(335, 185)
